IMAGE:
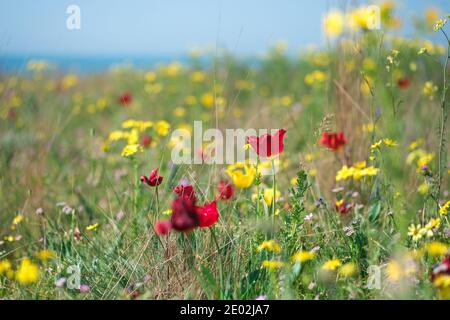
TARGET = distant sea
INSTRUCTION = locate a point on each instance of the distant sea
(86, 64)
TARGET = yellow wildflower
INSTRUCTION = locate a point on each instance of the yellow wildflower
(436, 249)
(5, 266)
(394, 271)
(415, 231)
(92, 227)
(44, 255)
(390, 142)
(331, 265)
(242, 174)
(131, 150)
(443, 211)
(269, 245)
(17, 219)
(273, 264)
(347, 270)
(303, 256)
(207, 100)
(162, 128)
(269, 194)
(334, 23)
(28, 272)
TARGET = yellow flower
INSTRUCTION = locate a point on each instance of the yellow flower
(436, 249)
(179, 112)
(376, 145)
(415, 144)
(167, 212)
(443, 211)
(429, 89)
(207, 100)
(390, 142)
(347, 270)
(431, 15)
(315, 77)
(331, 265)
(69, 81)
(415, 231)
(312, 172)
(345, 173)
(131, 150)
(269, 195)
(5, 266)
(303, 256)
(150, 76)
(190, 100)
(334, 23)
(242, 174)
(44, 255)
(423, 188)
(28, 272)
(269, 245)
(17, 219)
(92, 227)
(369, 127)
(198, 76)
(394, 271)
(273, 264)
(433, 224)
(162, 128)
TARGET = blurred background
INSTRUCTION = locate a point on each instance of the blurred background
(146, 32)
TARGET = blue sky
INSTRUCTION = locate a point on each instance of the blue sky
(119, 27)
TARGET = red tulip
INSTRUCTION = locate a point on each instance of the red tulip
(146, 140)
(184, 216)
(403, 83)
(208, 214)
(185, 191)
(333, 140)
(153, 180)
(268, 145)
(126, 98)
(226, 190)
(163, 228)
(342, 207)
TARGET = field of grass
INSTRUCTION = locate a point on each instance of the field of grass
(364, 217)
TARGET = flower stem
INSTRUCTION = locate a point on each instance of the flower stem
(219, 257)
(443, 120)
(157, 201)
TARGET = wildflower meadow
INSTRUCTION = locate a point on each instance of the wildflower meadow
(161, 183)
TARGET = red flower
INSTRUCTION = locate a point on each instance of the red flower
(333, 140)
(403, 83)
(208, 214)
(268, 145)
(163, 228)
(146, 140)
(226, 190)
(184, 216)
(185, 191)
(342, 207)
(153, 180)
(126, 98)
